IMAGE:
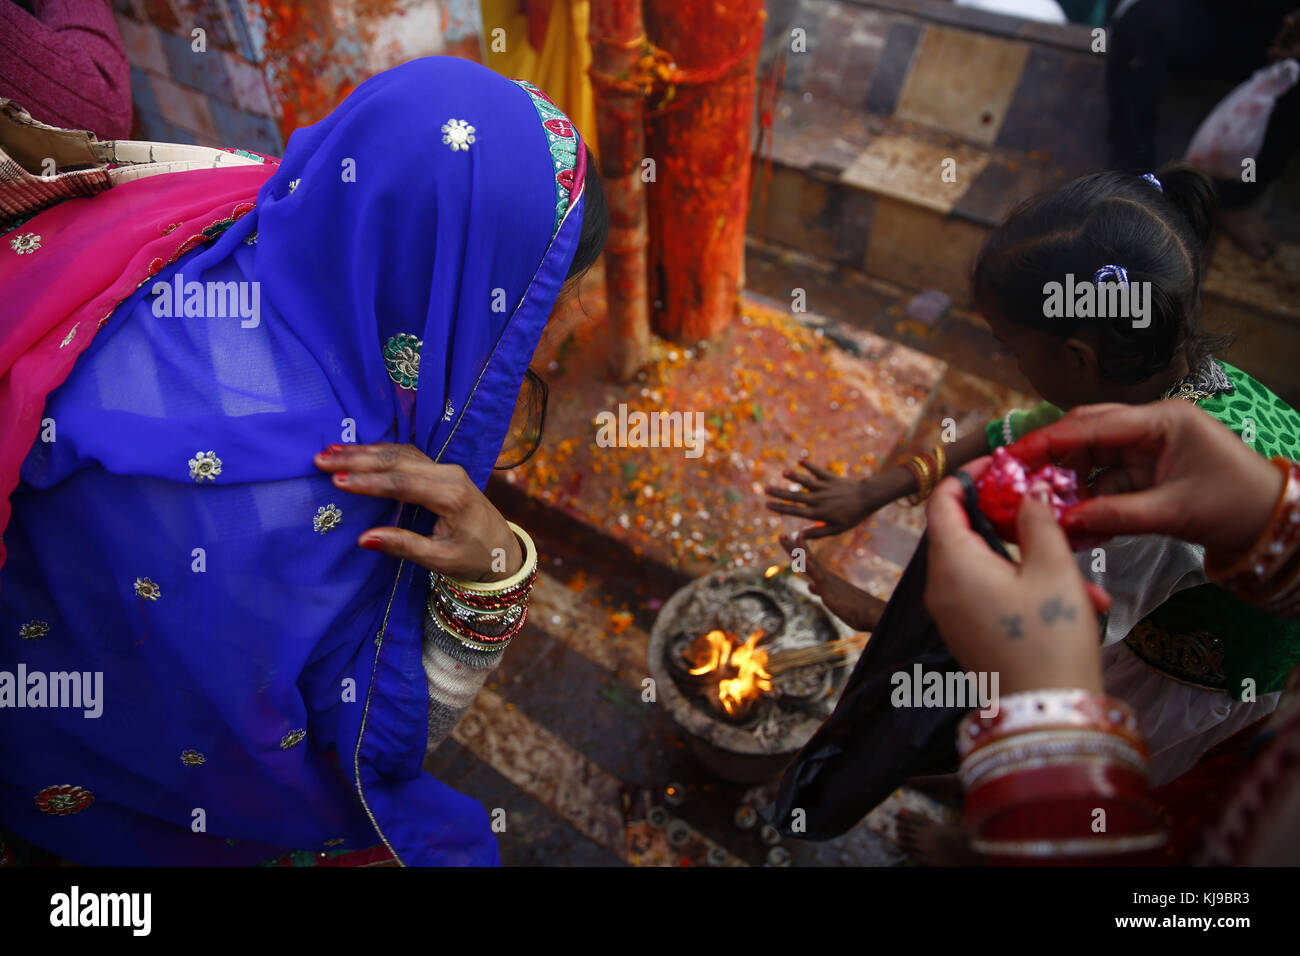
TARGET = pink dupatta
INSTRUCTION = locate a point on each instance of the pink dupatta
(64, 271)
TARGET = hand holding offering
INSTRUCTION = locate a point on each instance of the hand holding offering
(1004, 483)
(1033, 623)
(1165, 468)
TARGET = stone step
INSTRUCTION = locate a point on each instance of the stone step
(598, 760)
(851, 158)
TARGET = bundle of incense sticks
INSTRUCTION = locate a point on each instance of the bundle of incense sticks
(817, 654)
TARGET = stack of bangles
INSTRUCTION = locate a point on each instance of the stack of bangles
(1057, 776)
(485, 616)
(928, 468)
(1268, 575)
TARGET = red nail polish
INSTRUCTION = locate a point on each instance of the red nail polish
(341, 477)
(372, 543)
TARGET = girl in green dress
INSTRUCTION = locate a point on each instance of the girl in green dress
(1196, 662)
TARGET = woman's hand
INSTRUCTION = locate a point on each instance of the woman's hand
(470, 540)
(1034, 624)
(1170, 469)
(839, 503)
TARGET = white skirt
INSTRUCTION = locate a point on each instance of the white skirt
(1180, 722)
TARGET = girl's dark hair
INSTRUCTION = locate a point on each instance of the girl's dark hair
(595, 221)
(1109, 218)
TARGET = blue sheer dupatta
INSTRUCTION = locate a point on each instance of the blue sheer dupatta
(261, 674)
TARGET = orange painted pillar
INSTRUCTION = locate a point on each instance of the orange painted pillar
(699, 136)
(617, 43)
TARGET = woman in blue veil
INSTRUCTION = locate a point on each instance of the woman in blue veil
(226, 528)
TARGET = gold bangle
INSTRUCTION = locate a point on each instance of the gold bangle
(921, 469)
(516, 579)
(930, 477)
(941, 460)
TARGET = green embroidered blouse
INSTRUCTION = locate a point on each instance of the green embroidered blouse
(1258, 650)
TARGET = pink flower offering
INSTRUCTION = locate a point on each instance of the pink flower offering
(1006, 482)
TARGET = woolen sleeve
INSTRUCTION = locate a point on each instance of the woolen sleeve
(455, 674)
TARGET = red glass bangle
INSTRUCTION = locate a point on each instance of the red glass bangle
(463, 630)
(1252, 573)
(1096, 780)
(490, 601)
(1078, 818)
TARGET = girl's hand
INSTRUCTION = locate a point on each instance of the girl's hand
(470, 535)
(839, 503)
(1033, 624)
(857, 608)
(1170, 469)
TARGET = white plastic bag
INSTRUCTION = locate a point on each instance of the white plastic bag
(1234, 130)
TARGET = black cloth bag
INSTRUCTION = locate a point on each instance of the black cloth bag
(867, 747)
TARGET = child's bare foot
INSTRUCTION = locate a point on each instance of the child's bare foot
(852, 605)
(1249, 231)
(931, 843)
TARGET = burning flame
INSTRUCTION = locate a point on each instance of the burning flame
(718, 647)
(753, 678)
(717, 650)
(772, 571)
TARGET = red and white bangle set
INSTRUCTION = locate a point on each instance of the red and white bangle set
(1037, 773)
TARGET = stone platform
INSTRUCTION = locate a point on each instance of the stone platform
(770, 391)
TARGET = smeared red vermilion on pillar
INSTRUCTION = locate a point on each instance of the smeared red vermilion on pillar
(616, 35)
(312, 62)
(700, 142)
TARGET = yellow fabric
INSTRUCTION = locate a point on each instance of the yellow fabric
(559, 69)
